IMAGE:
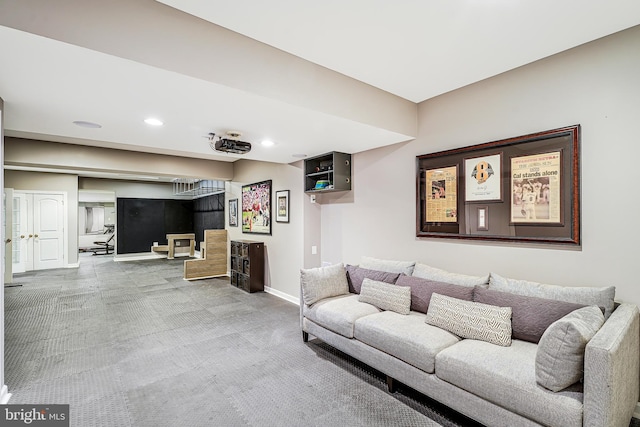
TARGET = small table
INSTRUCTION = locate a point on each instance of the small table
(177, 243)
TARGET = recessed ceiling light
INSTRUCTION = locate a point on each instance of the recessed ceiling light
(153, 121)
(267, 143)
(299, 156)
(84, 124)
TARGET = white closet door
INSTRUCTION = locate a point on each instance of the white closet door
(38, 230)
(7, 234)
(22, 232)
(48, 231)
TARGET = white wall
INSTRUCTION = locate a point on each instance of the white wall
(284, 246)
(133, 189)
(4, 394)
(596, 85)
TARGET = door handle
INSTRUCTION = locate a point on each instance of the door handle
(35, 235)
(8, 241)
(30, 235)
(22, 236)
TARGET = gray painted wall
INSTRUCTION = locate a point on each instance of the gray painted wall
(3, 387)
(596, 85)
(284, 248)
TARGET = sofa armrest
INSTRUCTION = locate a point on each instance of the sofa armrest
(612, 370)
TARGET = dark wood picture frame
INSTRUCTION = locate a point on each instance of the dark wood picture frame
(558, 208)
(256, 208)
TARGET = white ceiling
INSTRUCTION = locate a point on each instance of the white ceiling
(419, 49)
(413, 49)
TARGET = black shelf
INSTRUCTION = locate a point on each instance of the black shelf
(247, 265)
(334, 167)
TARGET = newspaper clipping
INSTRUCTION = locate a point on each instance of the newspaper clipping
(535, 188)
(441, 198)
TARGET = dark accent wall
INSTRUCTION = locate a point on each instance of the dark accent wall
(144, 221)
(208, 214)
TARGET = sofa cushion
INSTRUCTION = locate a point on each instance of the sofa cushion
(386, 296)
(560, 355)
(389, 266)
(407, 338)
(469, 319)
(505, 376)
(323, 282)
(422, 289)
(602, 297)
(530, 316)
(427, 272)
(339, 314)
(355, 276)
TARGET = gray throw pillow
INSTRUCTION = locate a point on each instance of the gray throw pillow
(560, 354)
(422, 289)
(386, 296)
(602, 297)
(389, 266)
(427, 272)
(323, 282)
(355, 276)
(531, 316)
(473, 320)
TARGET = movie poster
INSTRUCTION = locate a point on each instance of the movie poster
(441, 194)
(535, 188)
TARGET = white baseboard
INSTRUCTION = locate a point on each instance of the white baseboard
(137, 257)
(75, 265)
(637, 413)
(282, 295)
(4, 395)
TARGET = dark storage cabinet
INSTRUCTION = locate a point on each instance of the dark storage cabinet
(328, 172)
(247, 265)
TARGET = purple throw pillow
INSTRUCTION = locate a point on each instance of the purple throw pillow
(531, 316)
(355, 276)
(422, 289)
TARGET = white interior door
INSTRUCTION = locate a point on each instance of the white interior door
(7, 234)
(48, 231)
(22, 233)
(39, 231)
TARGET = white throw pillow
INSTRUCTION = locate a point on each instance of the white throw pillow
(386, 296)
(389, 266)
(431, 273)
(560, 354)
(472, 320)
(323, 282)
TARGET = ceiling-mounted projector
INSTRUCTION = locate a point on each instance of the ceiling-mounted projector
(227, 145)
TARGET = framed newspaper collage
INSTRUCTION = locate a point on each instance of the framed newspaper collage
(525, 189)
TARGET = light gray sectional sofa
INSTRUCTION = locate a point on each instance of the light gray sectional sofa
(503, 352)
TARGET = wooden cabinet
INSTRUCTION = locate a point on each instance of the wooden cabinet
(327, 172)
(247, 265)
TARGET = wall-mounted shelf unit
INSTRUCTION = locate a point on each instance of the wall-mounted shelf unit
(327, 172)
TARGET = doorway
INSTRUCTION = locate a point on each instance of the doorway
(38, 231)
